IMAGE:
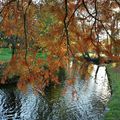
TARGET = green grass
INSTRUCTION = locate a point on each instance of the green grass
(114, 103)
(5, 54)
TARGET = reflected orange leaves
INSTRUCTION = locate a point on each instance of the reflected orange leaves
(85, 70)
(70, 82)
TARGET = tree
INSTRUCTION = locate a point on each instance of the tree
(62, 29)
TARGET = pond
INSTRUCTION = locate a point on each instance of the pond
(84, 100)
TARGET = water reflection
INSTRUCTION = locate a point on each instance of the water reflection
(10, 104)
(84, 100)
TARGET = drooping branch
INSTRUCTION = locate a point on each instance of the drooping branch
(25, 34)
(66, 30)
(65, 25)
(26, 29)
(95, 24)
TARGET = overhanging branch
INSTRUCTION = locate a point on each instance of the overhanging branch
(26, 29)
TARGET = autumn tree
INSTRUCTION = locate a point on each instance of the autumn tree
(65, 30)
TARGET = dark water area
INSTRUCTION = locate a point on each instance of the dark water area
(84, 100)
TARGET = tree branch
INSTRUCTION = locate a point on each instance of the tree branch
(26, 29)
(65, 24)
(100, 21)
(66, 29)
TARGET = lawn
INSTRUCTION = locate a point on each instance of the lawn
(114, 103)
(5, 54)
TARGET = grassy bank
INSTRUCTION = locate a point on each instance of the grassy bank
(114, 103)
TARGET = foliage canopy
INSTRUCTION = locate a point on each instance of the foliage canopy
(64, 30)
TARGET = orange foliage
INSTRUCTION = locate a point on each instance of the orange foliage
(61, 31)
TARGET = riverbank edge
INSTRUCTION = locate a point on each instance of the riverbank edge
(113, 106)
